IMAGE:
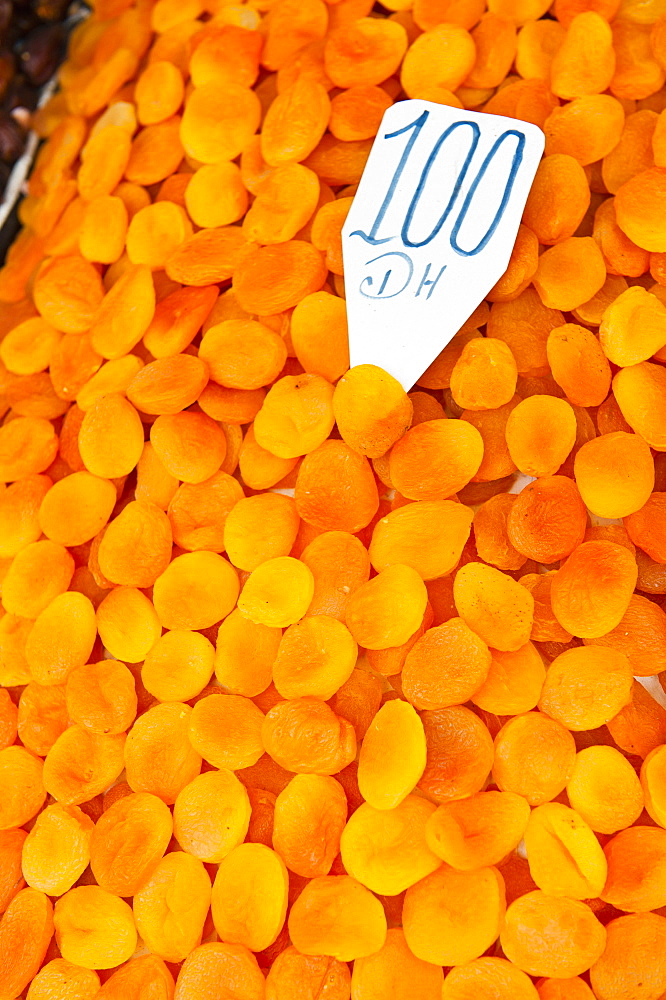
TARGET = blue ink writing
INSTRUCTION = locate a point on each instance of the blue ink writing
(417, 125)
(474, 141)
(372, 237)
(515, 166)
(369, 282)
(427, 283)
(401, 270)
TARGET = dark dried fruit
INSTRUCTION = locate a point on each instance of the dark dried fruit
(40, 52)
(7, 68)
(6, 8)
(12, 138)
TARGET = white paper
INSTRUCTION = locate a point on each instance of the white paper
(431, 229)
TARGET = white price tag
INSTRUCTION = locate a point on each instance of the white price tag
(431, 229)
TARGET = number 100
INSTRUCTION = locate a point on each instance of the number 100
(474, 136)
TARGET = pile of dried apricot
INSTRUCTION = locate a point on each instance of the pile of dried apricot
(301, 695)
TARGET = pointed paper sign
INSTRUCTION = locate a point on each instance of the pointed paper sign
(431, 229)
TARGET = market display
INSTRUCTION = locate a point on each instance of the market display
(305, 693)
